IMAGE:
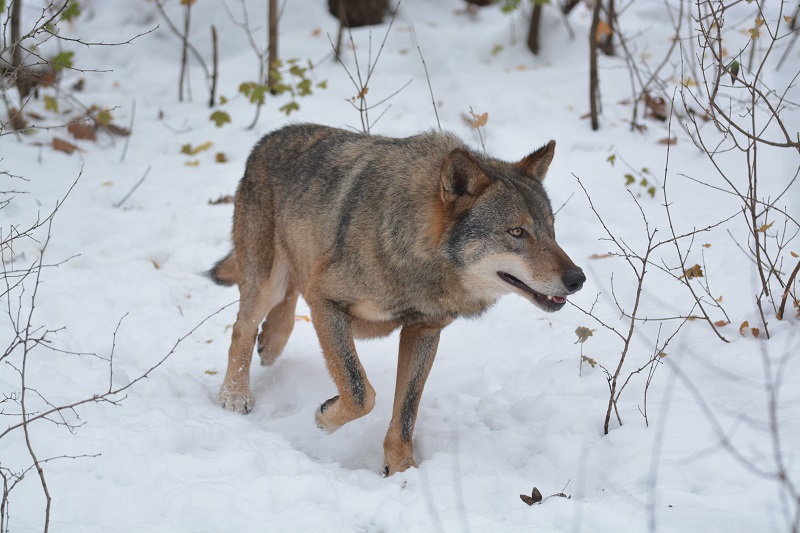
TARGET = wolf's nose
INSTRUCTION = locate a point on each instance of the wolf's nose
(573, 279)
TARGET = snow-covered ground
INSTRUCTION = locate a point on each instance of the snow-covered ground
(507, 406)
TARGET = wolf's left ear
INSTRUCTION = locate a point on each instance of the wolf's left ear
(462, 179)
(536, 164)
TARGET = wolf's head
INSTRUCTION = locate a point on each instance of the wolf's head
(498, 228)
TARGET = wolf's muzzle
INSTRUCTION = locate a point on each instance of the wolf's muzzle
(573, 279)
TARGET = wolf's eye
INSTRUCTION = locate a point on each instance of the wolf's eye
(517, 232)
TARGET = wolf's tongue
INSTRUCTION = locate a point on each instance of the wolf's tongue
(559, 299)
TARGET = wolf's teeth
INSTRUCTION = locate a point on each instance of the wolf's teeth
(549, 297)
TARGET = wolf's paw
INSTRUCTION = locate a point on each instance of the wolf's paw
(399, 466)
(326, 415)
(267, 357)
(237, 400)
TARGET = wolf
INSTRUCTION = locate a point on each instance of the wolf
(376, 234)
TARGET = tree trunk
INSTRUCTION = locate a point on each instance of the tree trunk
(593, 81)
(359, 12)
(273, 46)
(533, 32)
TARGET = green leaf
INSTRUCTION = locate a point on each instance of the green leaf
(629, 179)
(496, 49)
(103, 117)
(583, 334)
(304, 87)
(643, 183)
(72, 11)
(220, 117)
(2, 5)
(291, 106)
(50, 104)
(62, 60)
(612, 159)
(651, 191)
(222, 100)
(733, 68)
(323, 84)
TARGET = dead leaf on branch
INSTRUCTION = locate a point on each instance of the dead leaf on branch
(668, 141)
(601, 256)
(603, 30)
(583, 334)
(692, 272)
(721, 323)
(765, 227)
(477, 121)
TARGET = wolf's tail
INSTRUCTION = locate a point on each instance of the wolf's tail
(226, 271)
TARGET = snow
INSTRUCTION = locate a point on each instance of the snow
(505, 408)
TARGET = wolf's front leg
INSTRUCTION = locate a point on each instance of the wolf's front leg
(418, 346)
(356, 396)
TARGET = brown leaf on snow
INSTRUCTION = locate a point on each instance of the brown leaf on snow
(743, 327)
(17, 120)
(118, 131)
(82, 130)
(535, 497)
(63, 146)
(656, 106)
(755, 332)
(227, 199)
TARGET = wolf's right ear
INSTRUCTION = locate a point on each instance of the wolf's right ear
(535, 165)
(463, 180)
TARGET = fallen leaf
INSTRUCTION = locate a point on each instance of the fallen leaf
(656, 106)
(743, 327)
(119, 131)
(193, 163)
(755, 332)
(303, 318)
(63, 146)
(535, 497)
(18, 122)
(82, 130)
(188, 149)
(212, 372)
(155, 264)
(227, 199)
(316, 32)
(220, 157)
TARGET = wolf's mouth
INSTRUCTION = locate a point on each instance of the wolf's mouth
(547, 302)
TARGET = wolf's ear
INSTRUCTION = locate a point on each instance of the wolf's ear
(536, 164)
(462, 179)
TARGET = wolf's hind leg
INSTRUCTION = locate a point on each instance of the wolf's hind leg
(276, 328)
(418, 346)
(258, 297)
(356, 396)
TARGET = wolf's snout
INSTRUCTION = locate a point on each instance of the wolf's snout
(573, 279)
